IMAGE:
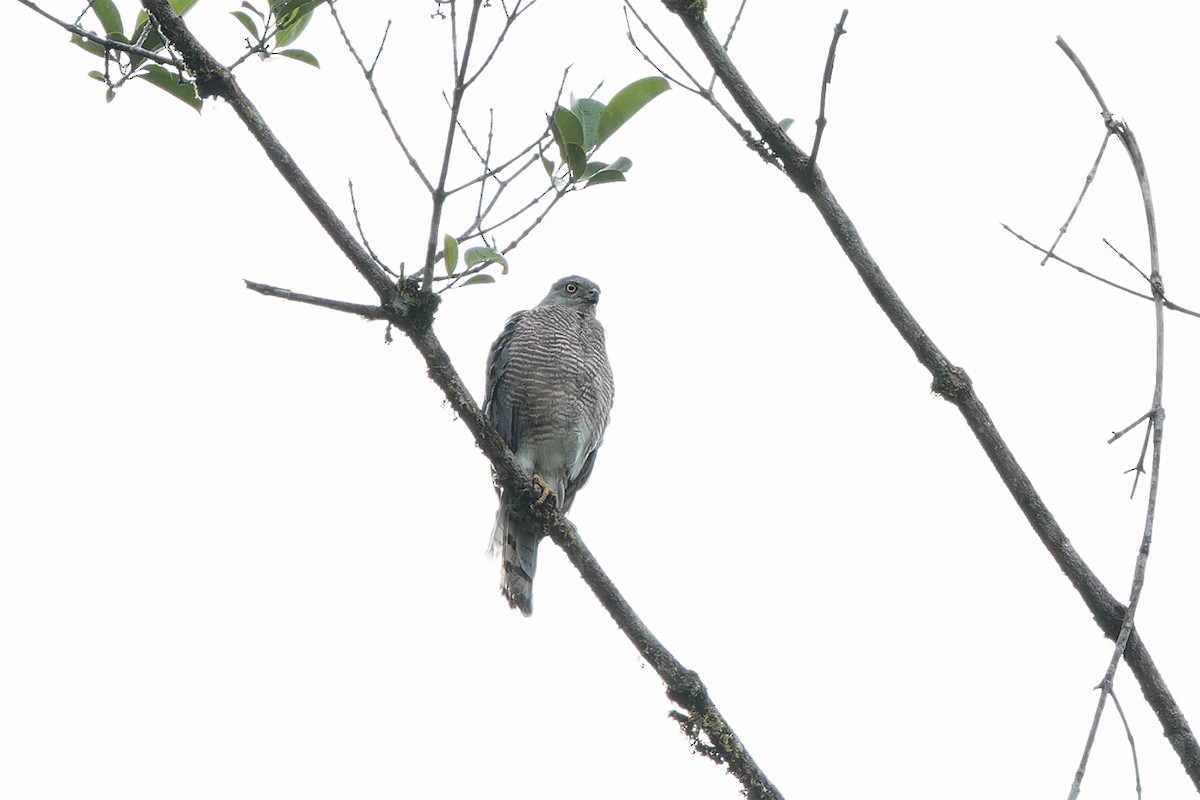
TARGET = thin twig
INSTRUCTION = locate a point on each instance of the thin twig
(696, 87)
(362, 234)
(1137, 772)
(1075, 266)
(509, 18)
(1118, 434)
(460, 87)
(558, 195)
(369, 75)
(379, 52)
(712, 82)
(1139, 469)
(1154, 430)
(358, 309)
(838, 30)
(1168, 304)
(1091, 176)
(1122, 256)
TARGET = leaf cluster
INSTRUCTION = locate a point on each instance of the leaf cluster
(581, 129)
(281, 24)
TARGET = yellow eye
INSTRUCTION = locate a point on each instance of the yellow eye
(572, 288)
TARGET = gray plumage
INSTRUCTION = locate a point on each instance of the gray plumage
(549, 393)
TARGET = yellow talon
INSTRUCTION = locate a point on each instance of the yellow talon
(545, 489)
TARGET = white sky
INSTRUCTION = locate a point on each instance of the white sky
(242, 541)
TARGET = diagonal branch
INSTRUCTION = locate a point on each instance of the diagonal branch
(953, 384)
(410, 308)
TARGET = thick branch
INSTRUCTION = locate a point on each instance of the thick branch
(410, 308)
(952, 383)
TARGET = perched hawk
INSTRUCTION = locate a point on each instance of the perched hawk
(549, 393)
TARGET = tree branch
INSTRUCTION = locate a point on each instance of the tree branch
(953, 384)
(410, 308)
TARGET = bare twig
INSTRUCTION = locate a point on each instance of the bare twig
(696, 87)
(838, 30)
(558, 195)
(379, 52)
(1122, 256)
(1075, 266)
(1137, 772)
(362, 234)
(369, 75)
(358, 309)
(1168, 304)
(460, 87)
(1118, 434)
(712, 82)
(1154, 430)
(510, 17)
(1091, 176)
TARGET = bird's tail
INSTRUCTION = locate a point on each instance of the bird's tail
(515, 539)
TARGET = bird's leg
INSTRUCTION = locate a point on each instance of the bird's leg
(545, 488)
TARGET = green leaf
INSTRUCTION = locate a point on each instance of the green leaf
(109, 94)
(169, 82)
(247, 23)
(293, 17)
(548, 165)
(97, 75)
(110, 18)
(626, 103)
(567, 126)
(92, 47)
(576, 160)
(622, 164)
(588, 111)
(300, 55)
(785, 123)
(605, 176)
(484, 255)
(592, 168)
(450, 253)
(253, 11)
(478, 279)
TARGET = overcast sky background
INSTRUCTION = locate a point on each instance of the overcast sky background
(242, 540)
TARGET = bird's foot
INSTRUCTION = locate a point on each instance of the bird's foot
(545, 488)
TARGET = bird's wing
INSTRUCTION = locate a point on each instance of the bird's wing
(498, 401)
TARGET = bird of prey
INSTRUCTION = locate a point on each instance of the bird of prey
(549, 393)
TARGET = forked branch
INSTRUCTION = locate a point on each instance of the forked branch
(408, 307)
(953, 384)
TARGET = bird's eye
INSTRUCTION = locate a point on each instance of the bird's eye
(572, 288)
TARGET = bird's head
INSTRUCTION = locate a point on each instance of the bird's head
(572, 291)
